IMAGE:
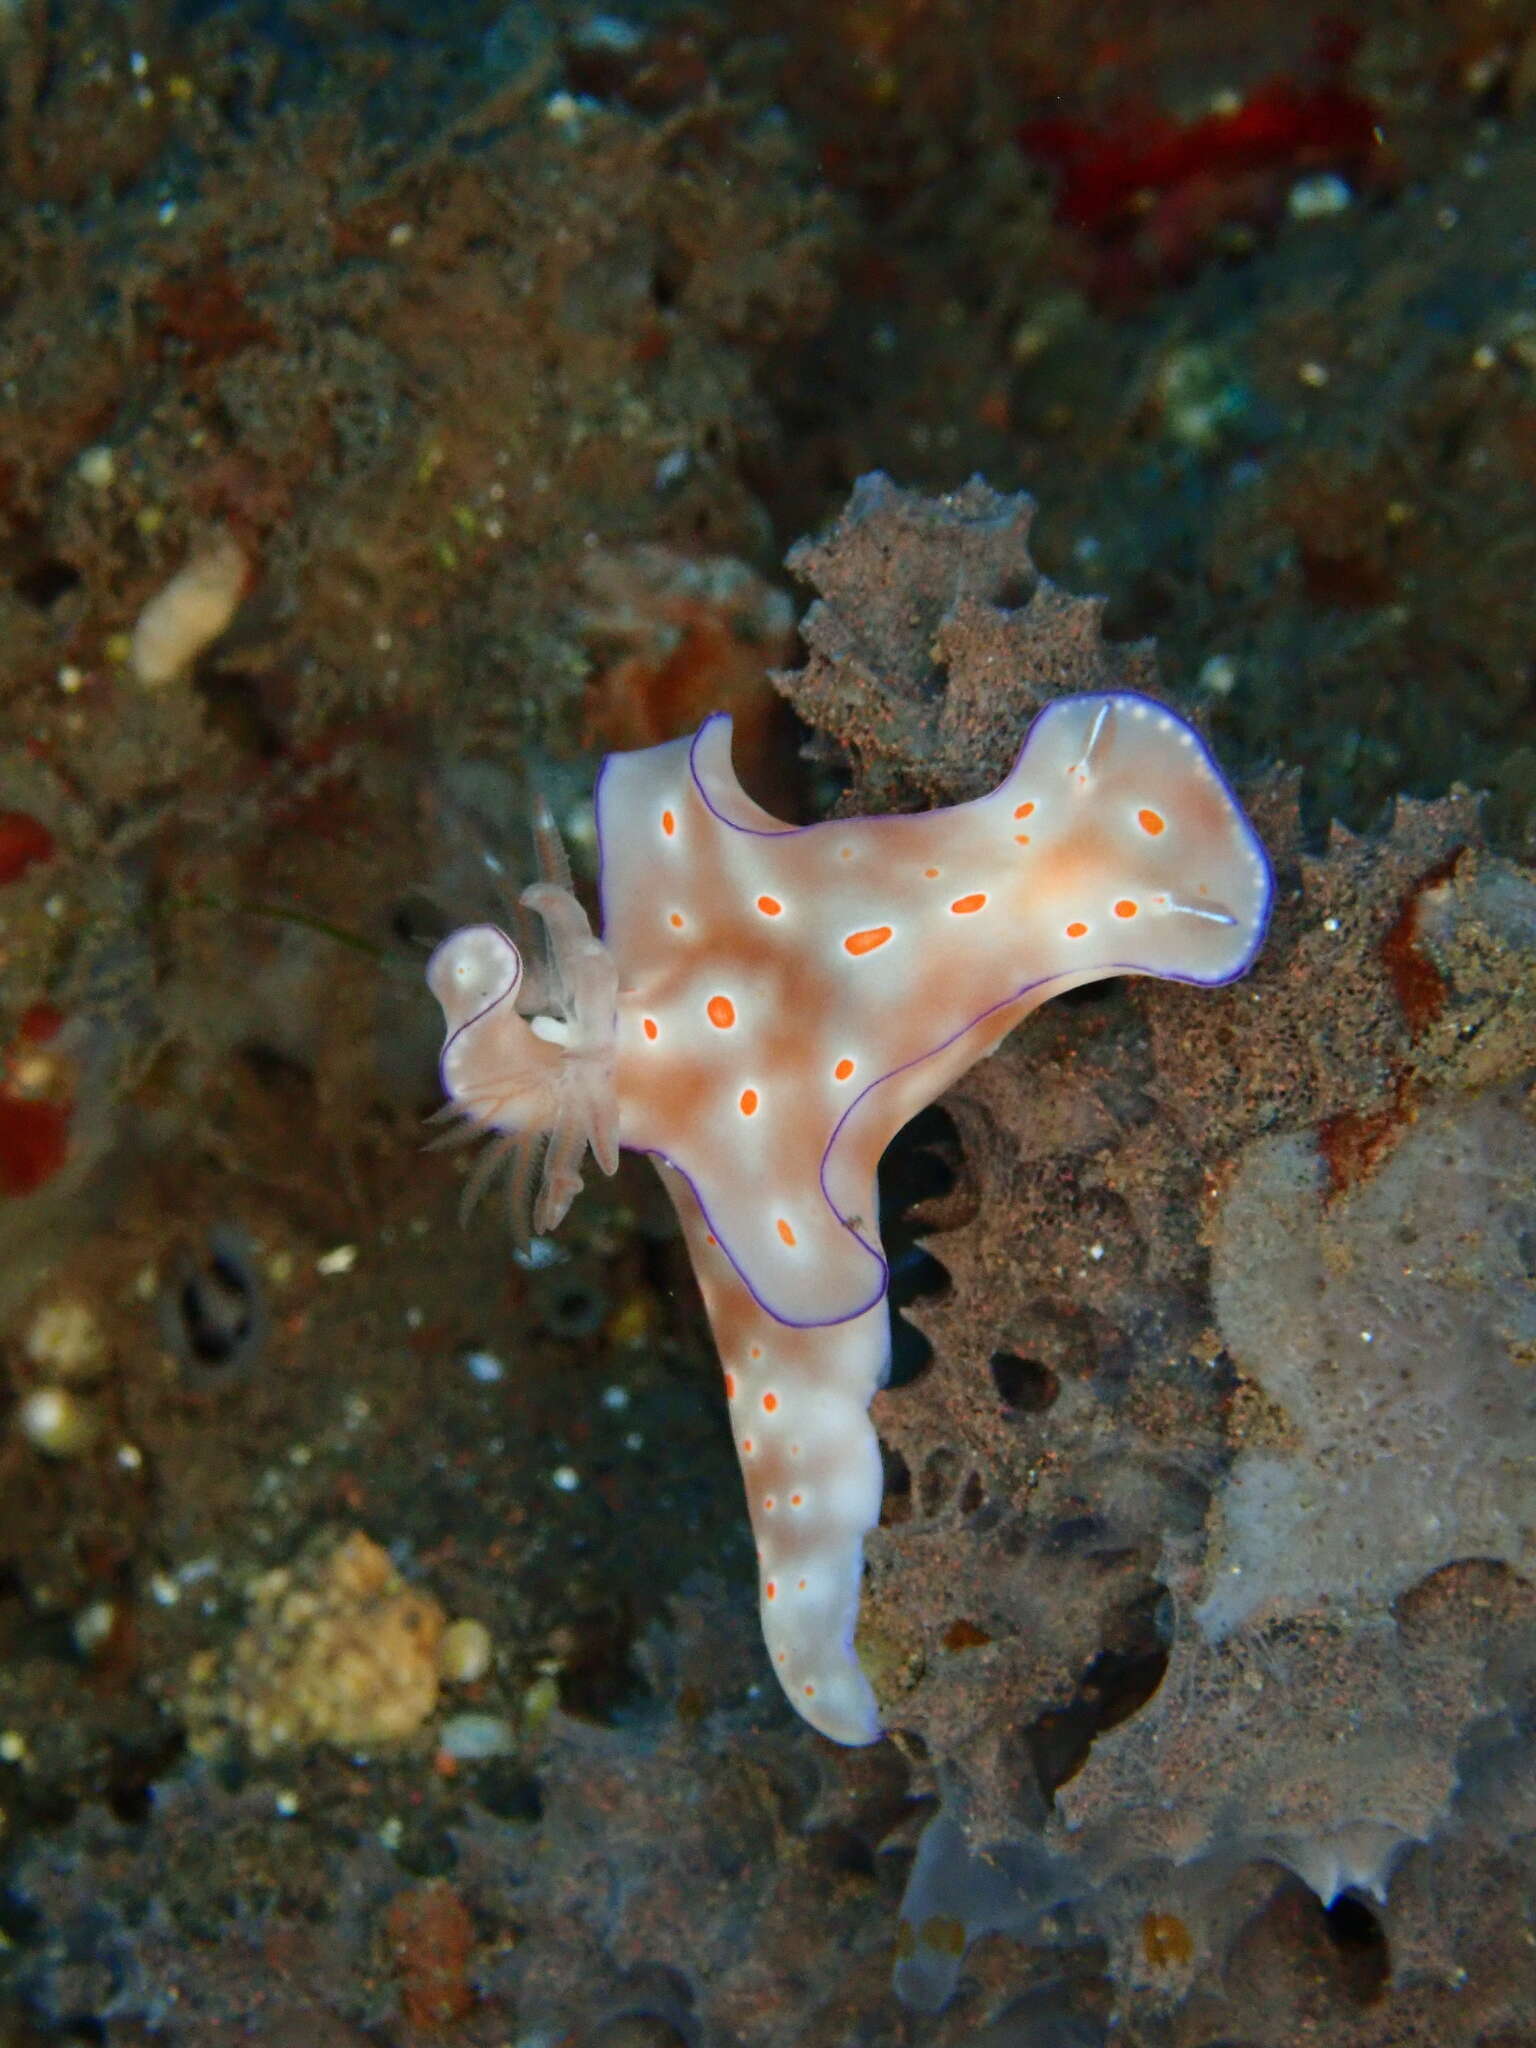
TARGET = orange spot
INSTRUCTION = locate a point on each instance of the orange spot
(721, 1012)
(1150, 821)
(769, 1504)
(801, 1587)
(782, 1657)
(1166, 1941)
(746, 1446)
(749, 1102)
(710, 1238)
(932, 874)
(649, 1027)
(757, 1350)
(796, 1499)
(770, 1402)
(1025, 811)
(730, 1386)
(868, 941)
(843, 1070)
(771, 1590)
(1021, 839)
(676, 920)
(1125, 907)
(964, 905)
(770, 906)
(846, 852)
(785, 1232)
(810, 1692)
(668, 823)
(1077, 930)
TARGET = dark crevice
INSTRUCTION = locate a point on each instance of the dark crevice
(44, 581)
(213, 1313)
(919, 1166)
(1117, 1684)
(1025, 1386)
(599, 1681)
(1359, 1941)
(236, 709)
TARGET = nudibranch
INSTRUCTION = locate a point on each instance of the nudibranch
(768, 1004)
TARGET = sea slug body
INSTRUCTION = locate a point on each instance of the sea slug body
(769, 1004)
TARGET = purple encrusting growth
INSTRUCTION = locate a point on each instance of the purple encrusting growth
(769, 1004)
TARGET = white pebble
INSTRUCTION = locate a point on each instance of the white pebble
(57, 1422)
(464, 1653)
(1317, 197)
(472, 1738)
(189, 614)
(1218, 676)
(97, 467)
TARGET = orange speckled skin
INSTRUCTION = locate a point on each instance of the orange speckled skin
(786, 999)
(789, 998)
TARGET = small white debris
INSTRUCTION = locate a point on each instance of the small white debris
(472, 1738)
(671, 469)
(340, 1258)
(286, 1804)
(1313, 374)
(1095, 1252)
(1317, 197)
(616, 1399)
(608, 32)
(65, 1341)
(400, 234)
(464, 1652)
(538, 1253)
(564, 110)
(1218, 676)
(484, 1367)
(190, 613)
(93, 1625)
(565, 1479)
(1330, 924)
(97, 467)
(58, 1423)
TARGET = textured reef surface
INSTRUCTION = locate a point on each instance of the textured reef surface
(399, 409)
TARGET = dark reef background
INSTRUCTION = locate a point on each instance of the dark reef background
(400, 407)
